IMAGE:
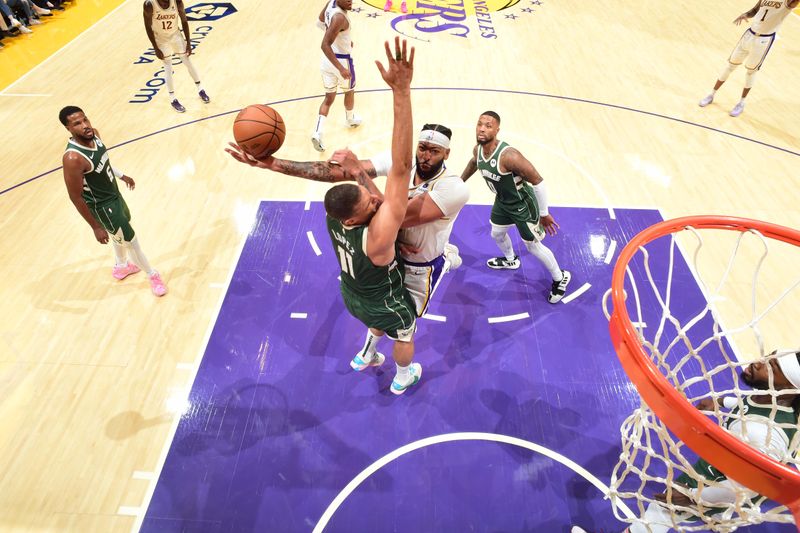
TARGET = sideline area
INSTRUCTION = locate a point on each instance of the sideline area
(24, 52)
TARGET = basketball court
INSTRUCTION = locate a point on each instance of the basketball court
(229, 404)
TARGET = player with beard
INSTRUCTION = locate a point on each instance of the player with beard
(768, 422)
(435, 194)
(520, 200)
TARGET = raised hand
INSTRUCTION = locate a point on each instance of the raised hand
(400, 69)
(243, 157)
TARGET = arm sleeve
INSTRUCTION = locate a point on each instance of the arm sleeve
(450, 194)
(541, 198)
(382, 163)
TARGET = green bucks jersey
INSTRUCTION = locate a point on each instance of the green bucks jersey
(784, 418)
(99, 183)
(508, 187)
(359, 276)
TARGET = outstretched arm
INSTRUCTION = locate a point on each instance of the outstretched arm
(324, 171)
(387, 220)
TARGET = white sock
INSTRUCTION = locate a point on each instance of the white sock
(403, 374)
(138, 257)
(500, 236)
(370, 345)
(546, 256)
(120, 254)
(168, 77)
(320, 124)
(349, 114)
(192, 71)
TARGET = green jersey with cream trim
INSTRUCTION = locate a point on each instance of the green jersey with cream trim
(99, 183)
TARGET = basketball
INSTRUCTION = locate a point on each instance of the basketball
(259, 130)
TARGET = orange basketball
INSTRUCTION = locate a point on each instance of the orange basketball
(259, 130)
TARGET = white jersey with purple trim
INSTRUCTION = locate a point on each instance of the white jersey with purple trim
(165, 22)
(770, 15)
(343, 44)
(450, 194)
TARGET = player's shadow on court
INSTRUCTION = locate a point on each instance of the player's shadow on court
(69, 286)
(129, 423)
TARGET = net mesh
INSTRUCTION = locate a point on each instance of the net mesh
(703, 316)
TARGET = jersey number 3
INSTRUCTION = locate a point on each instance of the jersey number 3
(347, 262)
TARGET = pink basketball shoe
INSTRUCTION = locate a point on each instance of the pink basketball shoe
(122, 272)
(157, 285)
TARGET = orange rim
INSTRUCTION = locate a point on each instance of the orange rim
(739, 461)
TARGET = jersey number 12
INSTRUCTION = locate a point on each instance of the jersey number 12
(347, 262)
(166, 24)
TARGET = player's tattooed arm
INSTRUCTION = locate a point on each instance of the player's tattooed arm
(513, 161)
(310, 170)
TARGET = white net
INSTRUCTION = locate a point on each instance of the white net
(703, 320)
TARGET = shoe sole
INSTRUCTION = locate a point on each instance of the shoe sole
(503, 267)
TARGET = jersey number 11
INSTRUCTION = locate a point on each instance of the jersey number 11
(347, 262)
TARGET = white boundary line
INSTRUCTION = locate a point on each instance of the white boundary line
(574, 294)
(142, 511)
(509, 318)
(435, 318)
(610, 252)
(313, 242)
(452, 437)
(54, 54)
(298, 315)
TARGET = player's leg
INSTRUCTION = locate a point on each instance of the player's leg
(121, 218)
(353, 120)
(122, 267)
(408, 372)
(330, 82)
(369, 356)
(193, 73)
(421, 281)
(501, 222)
(740, 52)
(758, 54)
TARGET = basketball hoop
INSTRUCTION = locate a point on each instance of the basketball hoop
(670, 375)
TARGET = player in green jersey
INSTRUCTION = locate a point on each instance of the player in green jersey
(92, 186)
(520, 200)
(363, 226)
(767, 422)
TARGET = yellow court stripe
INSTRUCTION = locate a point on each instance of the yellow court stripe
(22, 53)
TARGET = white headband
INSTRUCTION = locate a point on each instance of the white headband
(434, 137)
(790, 366)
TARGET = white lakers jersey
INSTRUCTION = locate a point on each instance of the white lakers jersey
(165, 22)
(343, 44)
(769, 16)
(450, 194)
